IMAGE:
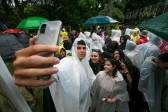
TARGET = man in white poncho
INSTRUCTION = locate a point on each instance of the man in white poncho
(71, 91)
(153, 82)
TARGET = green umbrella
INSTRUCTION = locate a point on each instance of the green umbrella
(157, 25)
(31, 23)
(100, 20)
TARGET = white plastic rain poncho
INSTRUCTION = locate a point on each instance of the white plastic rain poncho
(71, 91)
(87, 38)
(132, 54)
(151, 84)
(116, 34)
(97, 42)
(103, 87)
(128, 31)
(87, 34)
(130, 46)
(150, 48)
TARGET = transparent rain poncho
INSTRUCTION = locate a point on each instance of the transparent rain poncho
(97, 42)
(105, 86)
(151, 84)
(134, 55)
(115, 36)
(71, 91)
(128, 31)
(130, 46)
(150, 48)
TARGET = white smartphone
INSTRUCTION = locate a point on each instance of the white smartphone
(49, 33)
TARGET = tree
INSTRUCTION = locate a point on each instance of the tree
(136, 4)
(109, 7)
(71, 12)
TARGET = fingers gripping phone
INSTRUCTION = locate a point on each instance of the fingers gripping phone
(49, 34)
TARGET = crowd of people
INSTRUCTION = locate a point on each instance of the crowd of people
(96, 72)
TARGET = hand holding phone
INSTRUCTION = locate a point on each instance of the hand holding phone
(49, 34)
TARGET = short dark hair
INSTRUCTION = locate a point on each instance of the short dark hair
(96, 50)
(163, 57)
(81, 42)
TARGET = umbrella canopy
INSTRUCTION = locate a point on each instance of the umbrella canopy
(13, 31)
(100, 20)
(31, 23)
(2, 26)
(8, 45)
(157, 25)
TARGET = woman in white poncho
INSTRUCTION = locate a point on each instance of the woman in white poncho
(109, 93)
(71, 91)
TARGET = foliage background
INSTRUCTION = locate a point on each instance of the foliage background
(72, 12)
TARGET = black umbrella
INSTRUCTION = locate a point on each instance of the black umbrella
(9, 44)
(2, 26)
